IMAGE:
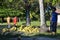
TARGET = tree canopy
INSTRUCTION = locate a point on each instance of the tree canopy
(17, 8)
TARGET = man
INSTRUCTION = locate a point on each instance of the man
(53, 25)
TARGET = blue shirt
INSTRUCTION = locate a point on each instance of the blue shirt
(54, 17)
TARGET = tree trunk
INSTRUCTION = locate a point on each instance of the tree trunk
(27, 18)
(42, 17)
(27, 8)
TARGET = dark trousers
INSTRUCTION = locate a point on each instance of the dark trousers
(53, 26)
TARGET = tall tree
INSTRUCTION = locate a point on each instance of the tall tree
(42, 16)
(27, 8)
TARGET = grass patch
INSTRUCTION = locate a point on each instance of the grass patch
(33, 23)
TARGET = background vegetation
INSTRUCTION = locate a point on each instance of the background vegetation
(17, 8)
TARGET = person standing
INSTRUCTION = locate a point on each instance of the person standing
(53, 24)
(8, 21)
(15, 21)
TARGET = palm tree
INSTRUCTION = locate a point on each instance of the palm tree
(42, 16)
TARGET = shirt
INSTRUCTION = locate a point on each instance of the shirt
(54, 17)
(14, 20)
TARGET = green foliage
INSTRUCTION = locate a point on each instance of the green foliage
(10, 12)
(10, 0)
(54, 2)
(17, 8)
(46, 1)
